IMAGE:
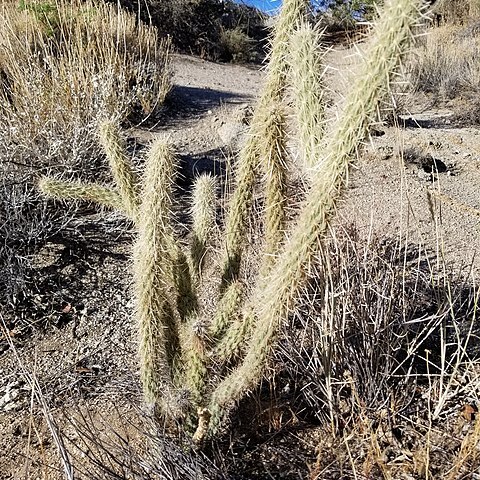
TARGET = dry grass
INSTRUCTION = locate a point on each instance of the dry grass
(383, 352)
(446, 62)
(457, 11)
(64, 66)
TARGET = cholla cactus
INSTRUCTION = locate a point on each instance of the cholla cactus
(181, 347)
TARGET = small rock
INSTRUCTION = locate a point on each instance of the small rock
(423, 175)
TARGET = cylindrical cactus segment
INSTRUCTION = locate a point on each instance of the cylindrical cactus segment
(195, 361)
(241, 203)
(175, 263)
(187, 301)
(90, 192)
(274, 157)
(203, 210)
(111, 140)
(307, 88)
(392, 35)
(292, 12)
(227, 309)
(153, 279)
(233, 341)
(239, 211)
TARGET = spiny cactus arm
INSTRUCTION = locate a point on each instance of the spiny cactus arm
(241, 203)
(110, 138)
(238, 212)
(233, 341)
(187, 301)
(90, 192)
(195, 360)
(307, 87)
(274, 156)
(228, 307)
(174, 262)
(203, 210)
(153, 282)
(292, 12)
(392, 35)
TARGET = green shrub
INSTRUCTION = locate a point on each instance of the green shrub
(235, 45)
(200, 26)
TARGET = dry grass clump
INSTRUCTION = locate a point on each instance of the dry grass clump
(66, 65)
(382, 350)
(446, 62)
(120, 446)
(456, 11)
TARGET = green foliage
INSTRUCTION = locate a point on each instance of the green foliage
(235, 45)
(344, 14)
(46, 14)
(215, 29)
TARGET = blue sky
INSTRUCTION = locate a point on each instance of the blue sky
(264, 5)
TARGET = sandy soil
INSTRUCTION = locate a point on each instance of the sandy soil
(85, 355)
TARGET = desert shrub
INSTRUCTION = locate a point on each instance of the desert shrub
(235, 45)
(25, 224)
(64, 66)
(199, 26)
(446, 62)
(375, 347)
(456, 11)
(338, 15)
(386, 304)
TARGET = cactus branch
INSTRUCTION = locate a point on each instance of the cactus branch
(203, 209)
(152, 271)
(393, 32)
(82, 191)
(241, 203)
(125, 178)
(306, 79)
(274, 154)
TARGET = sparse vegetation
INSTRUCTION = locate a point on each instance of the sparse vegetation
(236, 45)
(64, 66)
(341, 15)
(258, 314)
(446, 62)
(214, 29)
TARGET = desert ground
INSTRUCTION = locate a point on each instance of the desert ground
(416, 179)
